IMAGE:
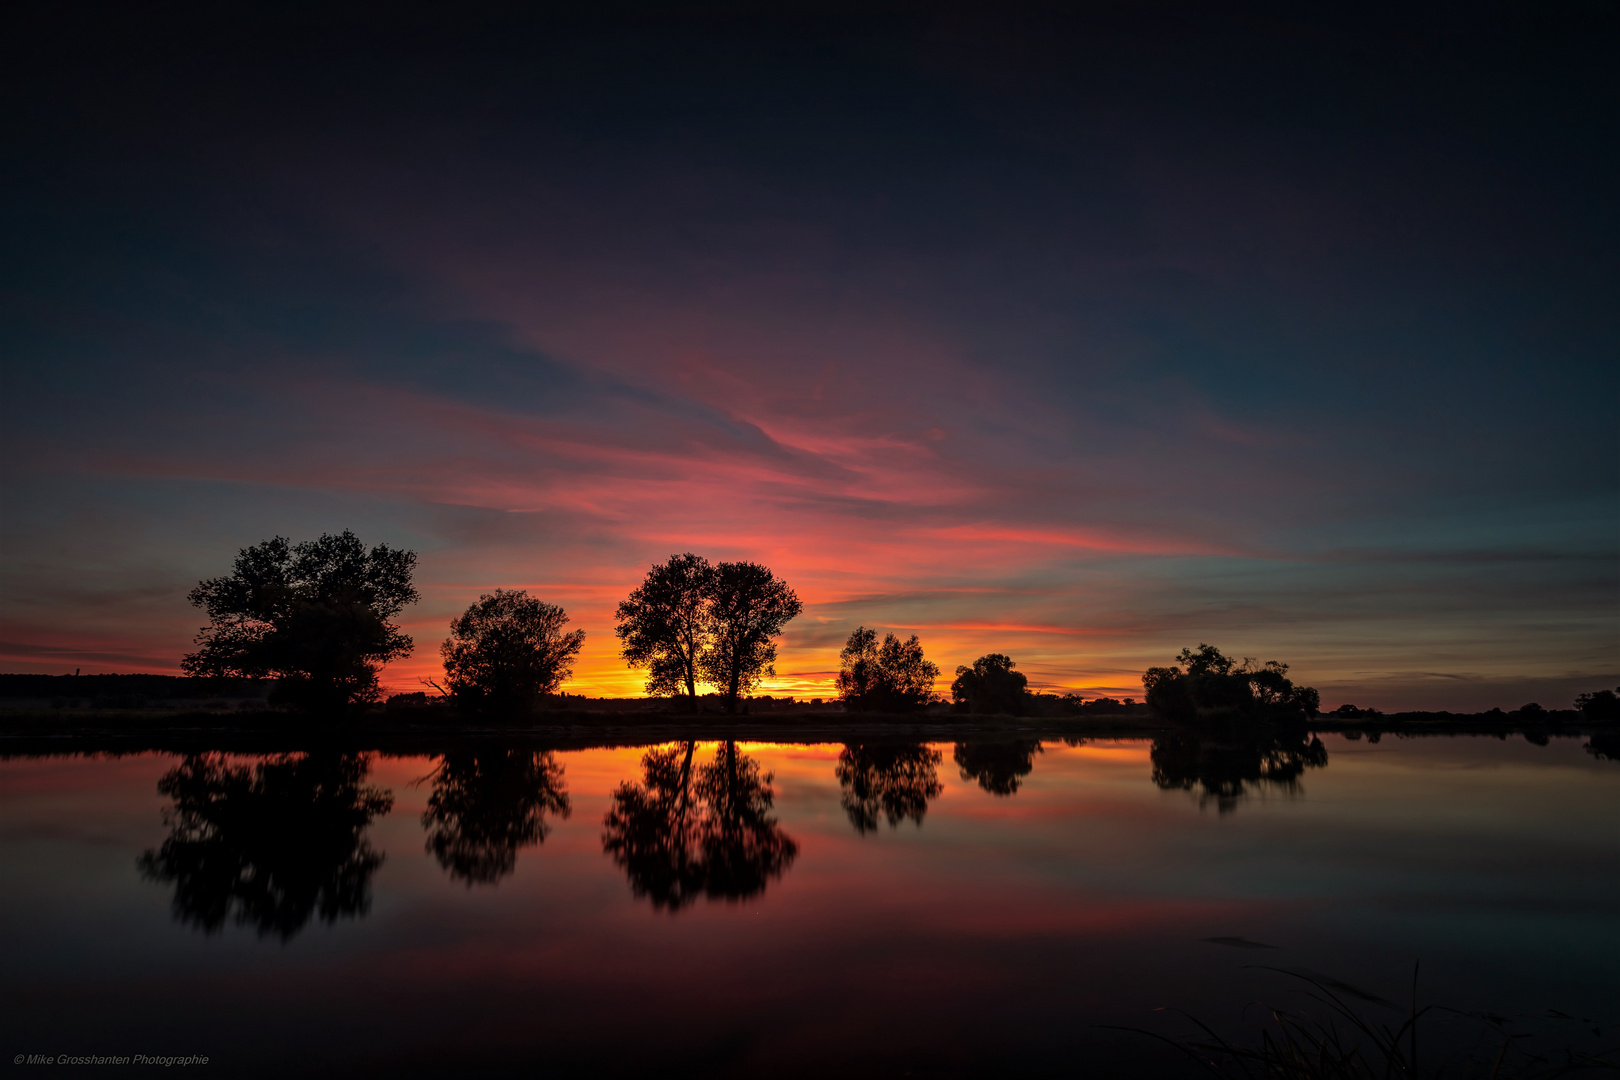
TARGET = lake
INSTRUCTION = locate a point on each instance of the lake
(739, 908)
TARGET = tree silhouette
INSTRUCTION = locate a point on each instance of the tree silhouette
(486, 806)
(894, 780)
(681, 834)
(891, 678)
(665, 625)
(1000, 765)
(1600, 706)
(507, 651)
(748, 607)
(1222, 767)
(1209, 684)
(273, 845)
(990, 686)
(313, 615)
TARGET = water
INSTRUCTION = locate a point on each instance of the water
(922, 910)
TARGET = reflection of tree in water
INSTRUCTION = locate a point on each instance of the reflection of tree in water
(1604, 743)
(997, 766)
(684, 833)
(1221, 764)
(488, 805)
(274, 843)
(896, 780)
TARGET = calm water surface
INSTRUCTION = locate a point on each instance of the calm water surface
(798, 909)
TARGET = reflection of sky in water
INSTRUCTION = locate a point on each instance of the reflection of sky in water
(1000, 930)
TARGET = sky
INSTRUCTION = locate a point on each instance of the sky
(1077, 333)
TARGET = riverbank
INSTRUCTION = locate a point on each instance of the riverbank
(84, 730)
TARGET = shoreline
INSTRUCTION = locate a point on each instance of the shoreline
(28, 734)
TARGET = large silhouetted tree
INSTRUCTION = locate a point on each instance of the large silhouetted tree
(272, 844)
(313, 615)
(683, 832)
(507, 651)
(1600, 706)
(1206, 683)
(892, 780)
(990, 686)
(665, 625)
(748, 607)
(487, 805)
(890, 678)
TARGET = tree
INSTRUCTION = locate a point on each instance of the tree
(1600, 706)
(487, 805)
(891, 678)
(313, 615)
(507, 651)
(990, 686)
(748, 607)
(1207, 683)
(665, 625)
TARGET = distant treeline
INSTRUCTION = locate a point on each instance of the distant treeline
(313, 620)
(113, 691)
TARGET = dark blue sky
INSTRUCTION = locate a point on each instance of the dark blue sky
(1077, 334)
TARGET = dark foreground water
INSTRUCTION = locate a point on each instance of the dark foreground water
(747, 909)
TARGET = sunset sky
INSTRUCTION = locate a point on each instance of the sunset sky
(1079, 337)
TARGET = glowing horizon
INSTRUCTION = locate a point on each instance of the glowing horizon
(1009, 351)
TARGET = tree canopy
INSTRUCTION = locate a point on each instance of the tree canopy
(507, 651)
(748, 607)
(990, 686)
(1600, 705)
(1207, 683)
(313, 615)
(888, 678)
(665, 625)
